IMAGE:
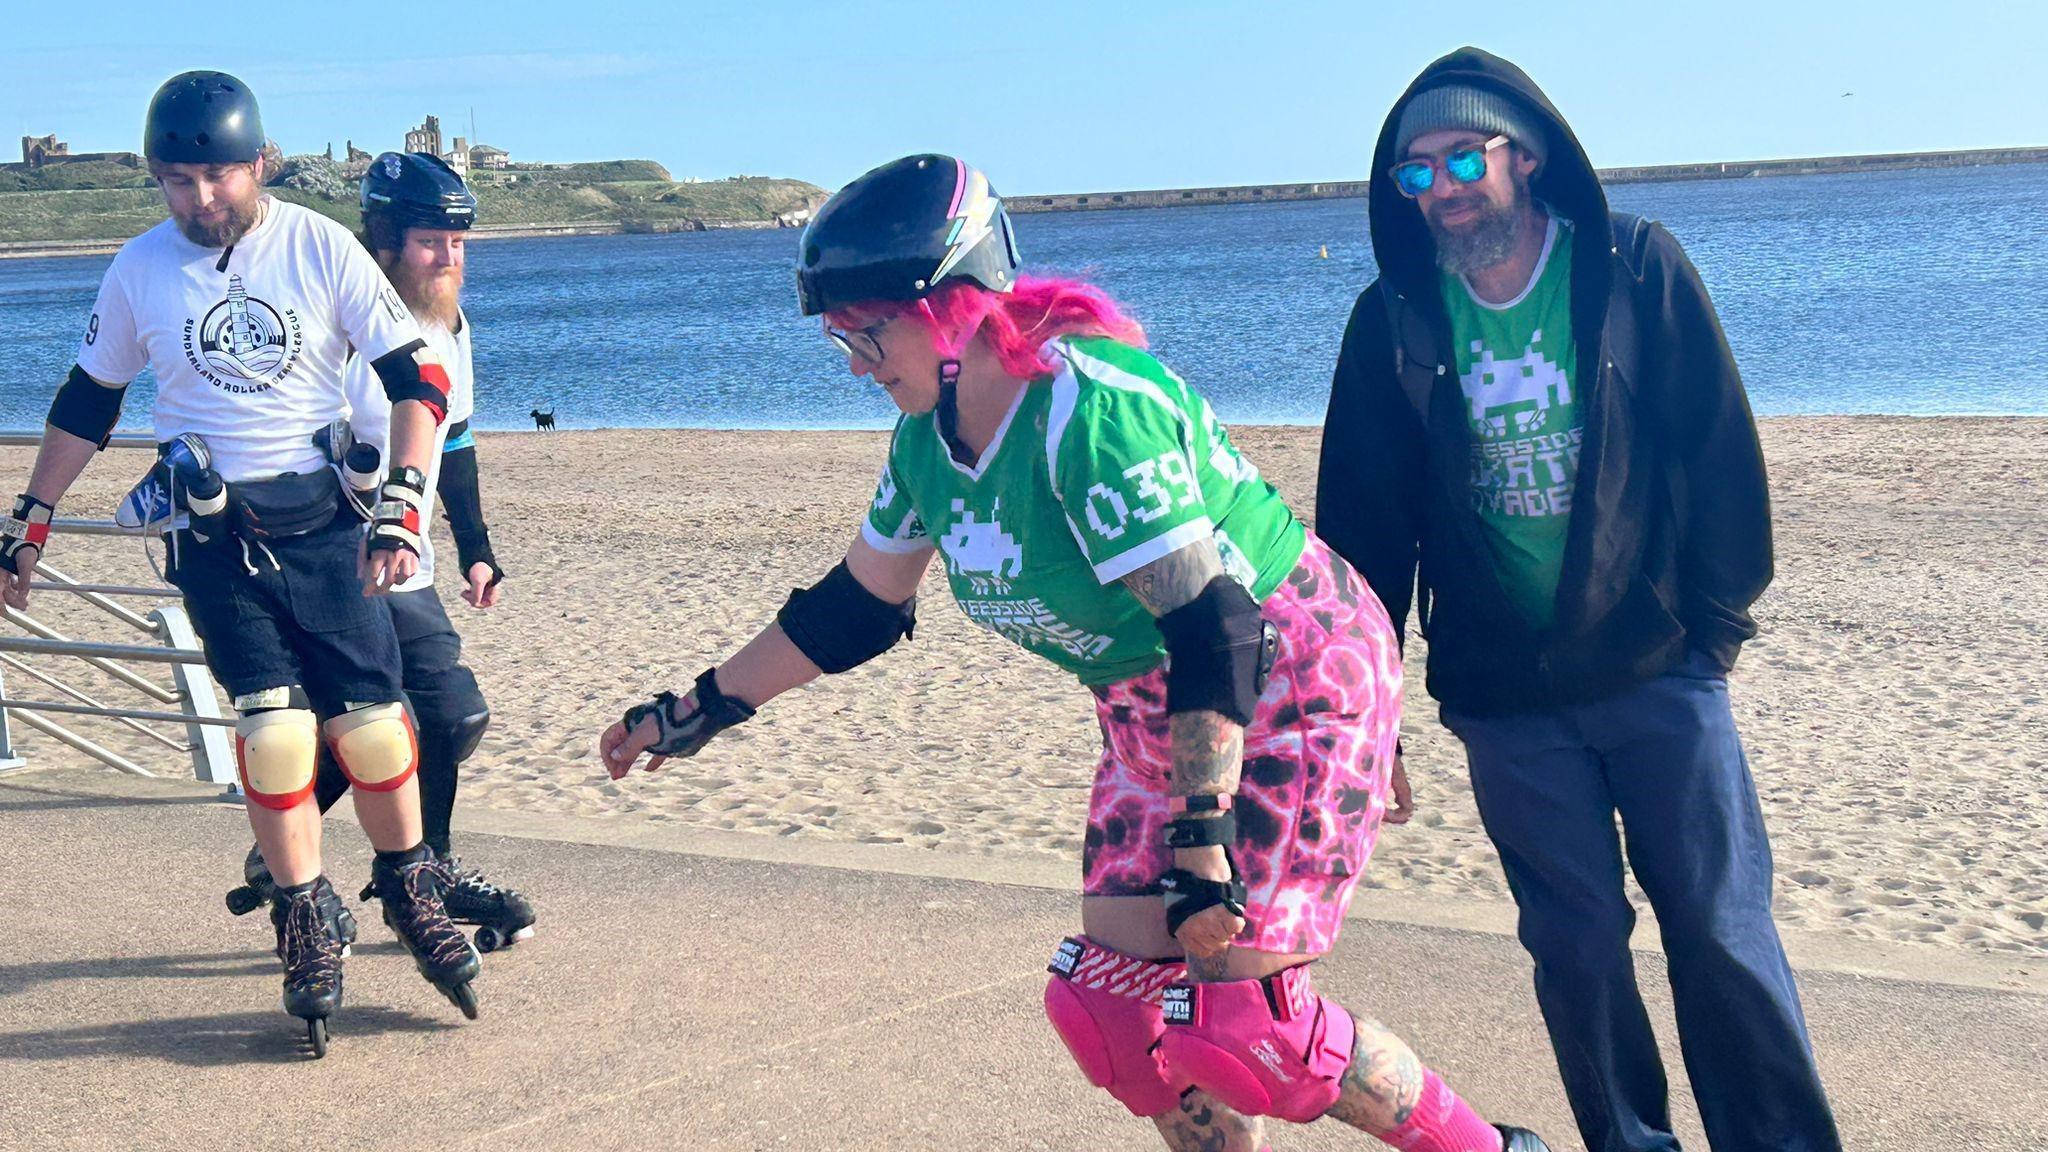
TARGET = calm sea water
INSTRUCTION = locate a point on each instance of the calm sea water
(1906, 292)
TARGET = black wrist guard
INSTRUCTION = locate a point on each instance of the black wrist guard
(395, 523)
(683, 731)
(27, 527)
(839, 625)
(470, 552)
(1202, 831)
(1219, 652)
(1188, 895)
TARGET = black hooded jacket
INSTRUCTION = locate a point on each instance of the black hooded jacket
(1670, 535)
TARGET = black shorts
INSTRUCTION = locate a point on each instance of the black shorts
(429, 649)
(301, 617)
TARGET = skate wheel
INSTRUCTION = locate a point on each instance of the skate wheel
(465, 999)
(489, 939)
(316, 1032)
(244, 900)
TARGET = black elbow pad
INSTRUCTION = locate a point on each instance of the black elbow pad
(86, 408)
(1219, 652)
(839, 625)
(406, 375)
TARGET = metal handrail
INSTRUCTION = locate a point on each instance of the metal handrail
(90, 527)
(107, 756)
(194, 694)
(31, 670)
(100, 656)
(102, 589)
(35, 440)
(98, 601)
(58, 647)
(117, 713)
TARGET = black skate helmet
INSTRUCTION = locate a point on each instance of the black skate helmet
(202, 118)
(412, 190)
(900, 231)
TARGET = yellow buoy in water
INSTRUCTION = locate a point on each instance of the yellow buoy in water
(1324, 252)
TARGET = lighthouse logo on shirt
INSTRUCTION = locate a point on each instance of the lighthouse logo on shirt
(243, 345)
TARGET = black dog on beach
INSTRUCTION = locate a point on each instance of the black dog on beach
(544, 421)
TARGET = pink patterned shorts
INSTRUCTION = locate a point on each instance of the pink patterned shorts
(1318, 762)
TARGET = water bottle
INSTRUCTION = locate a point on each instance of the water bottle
(360, 471)
(206, 502)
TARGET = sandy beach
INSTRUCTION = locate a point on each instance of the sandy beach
(1893, 706)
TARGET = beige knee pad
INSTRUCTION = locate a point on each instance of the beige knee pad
(276, 750)
(375, 746)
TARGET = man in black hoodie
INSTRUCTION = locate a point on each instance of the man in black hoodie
(1537, 435)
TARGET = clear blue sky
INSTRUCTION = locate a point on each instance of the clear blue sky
(1047, 96)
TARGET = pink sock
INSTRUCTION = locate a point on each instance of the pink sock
(1442, 1122)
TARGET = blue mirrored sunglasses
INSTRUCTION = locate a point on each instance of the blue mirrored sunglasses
(1465, 165)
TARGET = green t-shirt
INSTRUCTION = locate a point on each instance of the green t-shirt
(1105, 467)
(1519, 371)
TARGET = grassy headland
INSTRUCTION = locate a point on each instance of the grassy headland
(87, 203)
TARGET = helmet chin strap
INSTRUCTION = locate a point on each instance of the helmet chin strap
(948, 412)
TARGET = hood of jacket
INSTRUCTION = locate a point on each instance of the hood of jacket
(1566, 182)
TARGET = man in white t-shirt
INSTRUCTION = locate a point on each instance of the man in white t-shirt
(247, 307)
(416, 217)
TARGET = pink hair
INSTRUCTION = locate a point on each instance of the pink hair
(1017, 323)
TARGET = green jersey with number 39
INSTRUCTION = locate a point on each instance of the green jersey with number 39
(1108, 465)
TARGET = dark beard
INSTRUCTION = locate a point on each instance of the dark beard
(227, 233)
(1488, 240)
(431, 303)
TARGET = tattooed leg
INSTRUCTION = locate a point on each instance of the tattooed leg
(1201, 1124)
(1383, 1084)
(1389, 1093)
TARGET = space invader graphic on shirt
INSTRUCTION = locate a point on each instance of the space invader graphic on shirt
(1524, 389)
(982, 551)
(885, 489)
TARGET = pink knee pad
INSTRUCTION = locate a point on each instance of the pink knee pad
(1105, 1007)
(1269, 1047)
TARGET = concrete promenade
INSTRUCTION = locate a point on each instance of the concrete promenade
(727, 991)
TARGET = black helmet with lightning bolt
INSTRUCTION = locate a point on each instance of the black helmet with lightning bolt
(900, 231)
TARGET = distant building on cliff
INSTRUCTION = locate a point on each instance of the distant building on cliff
(461, 155)
(42, 151)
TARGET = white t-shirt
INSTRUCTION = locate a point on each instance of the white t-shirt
(369, 418)
(247, 342)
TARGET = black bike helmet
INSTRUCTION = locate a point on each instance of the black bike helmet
(202, 118)
(900, 231)
(412, 190)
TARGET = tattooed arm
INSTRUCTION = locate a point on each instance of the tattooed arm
(1208, 747)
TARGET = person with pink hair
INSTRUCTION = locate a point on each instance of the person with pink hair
(1091, 508)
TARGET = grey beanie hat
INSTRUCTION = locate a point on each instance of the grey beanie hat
(1455, 107)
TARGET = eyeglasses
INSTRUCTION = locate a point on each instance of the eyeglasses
(862, 342)
(1465, 165)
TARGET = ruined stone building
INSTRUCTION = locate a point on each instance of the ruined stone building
(40, 151)
(461, 155)
(426, 137)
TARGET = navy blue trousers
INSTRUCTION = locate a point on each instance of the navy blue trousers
(1665, 756)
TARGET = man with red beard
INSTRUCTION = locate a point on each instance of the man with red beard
(416, 216)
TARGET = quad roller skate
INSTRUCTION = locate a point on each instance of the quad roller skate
(311, 953)
(259, 889)
(1520, 1140)
(502, 915)
(410, 885)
